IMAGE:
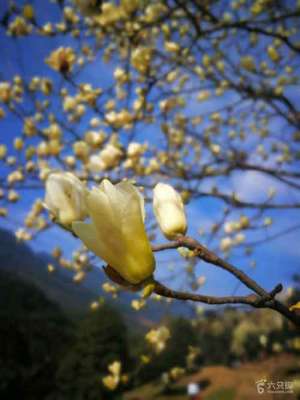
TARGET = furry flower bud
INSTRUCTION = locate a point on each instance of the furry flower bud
(169, 211)
(65, 198)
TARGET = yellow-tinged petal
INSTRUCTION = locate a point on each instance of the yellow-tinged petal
(169, 211)
(132, 190)
(115, 368)
(117, 232)
(111, 382)
(295, 306)
(106, 218)
(148, 290)
(65, 196)
(89, 235)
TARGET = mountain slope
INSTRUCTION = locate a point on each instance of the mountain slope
(20, 259)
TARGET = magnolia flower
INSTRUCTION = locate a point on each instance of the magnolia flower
(172, 47)
(141, 59)
(115, 368)
(110, 14)
(50, 268)
(138, 304)
(158, 338)
(81, 149)
(117, 232)
(120, 75)
(273, 54)
(94, 138)
(15, 176)
(94, 305)
(110, 156)
(169, 211)
(248, 63)
(135, 149)
(119, 119)
(96, 164)
(226, 243)
(176, 373)
(3, 212)
(13, 196)
(111, 382)
(62, 59)
(154, 11)
(28, 12)
(19, 27)
(65, 197)
(115, 377)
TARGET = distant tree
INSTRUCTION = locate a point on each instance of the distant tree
(214, 336)
(33, 333)
(182, 336)
(256, 333)
(100, 340)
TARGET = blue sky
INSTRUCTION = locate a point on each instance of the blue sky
(277, 260)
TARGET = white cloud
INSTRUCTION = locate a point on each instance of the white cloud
(254, 186)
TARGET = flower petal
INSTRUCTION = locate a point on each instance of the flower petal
(128, 188)
(90, 237)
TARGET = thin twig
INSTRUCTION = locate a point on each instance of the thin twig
(261, 298)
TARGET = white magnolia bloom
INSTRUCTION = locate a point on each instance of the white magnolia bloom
(239, 238)
(226, 244)
(135, 149)
(65, 197)
(158, 338)
(110, 156)
(96, 164)
(169, 211)
(117, 233)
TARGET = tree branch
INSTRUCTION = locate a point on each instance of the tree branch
(251, 299)
(261, 298)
